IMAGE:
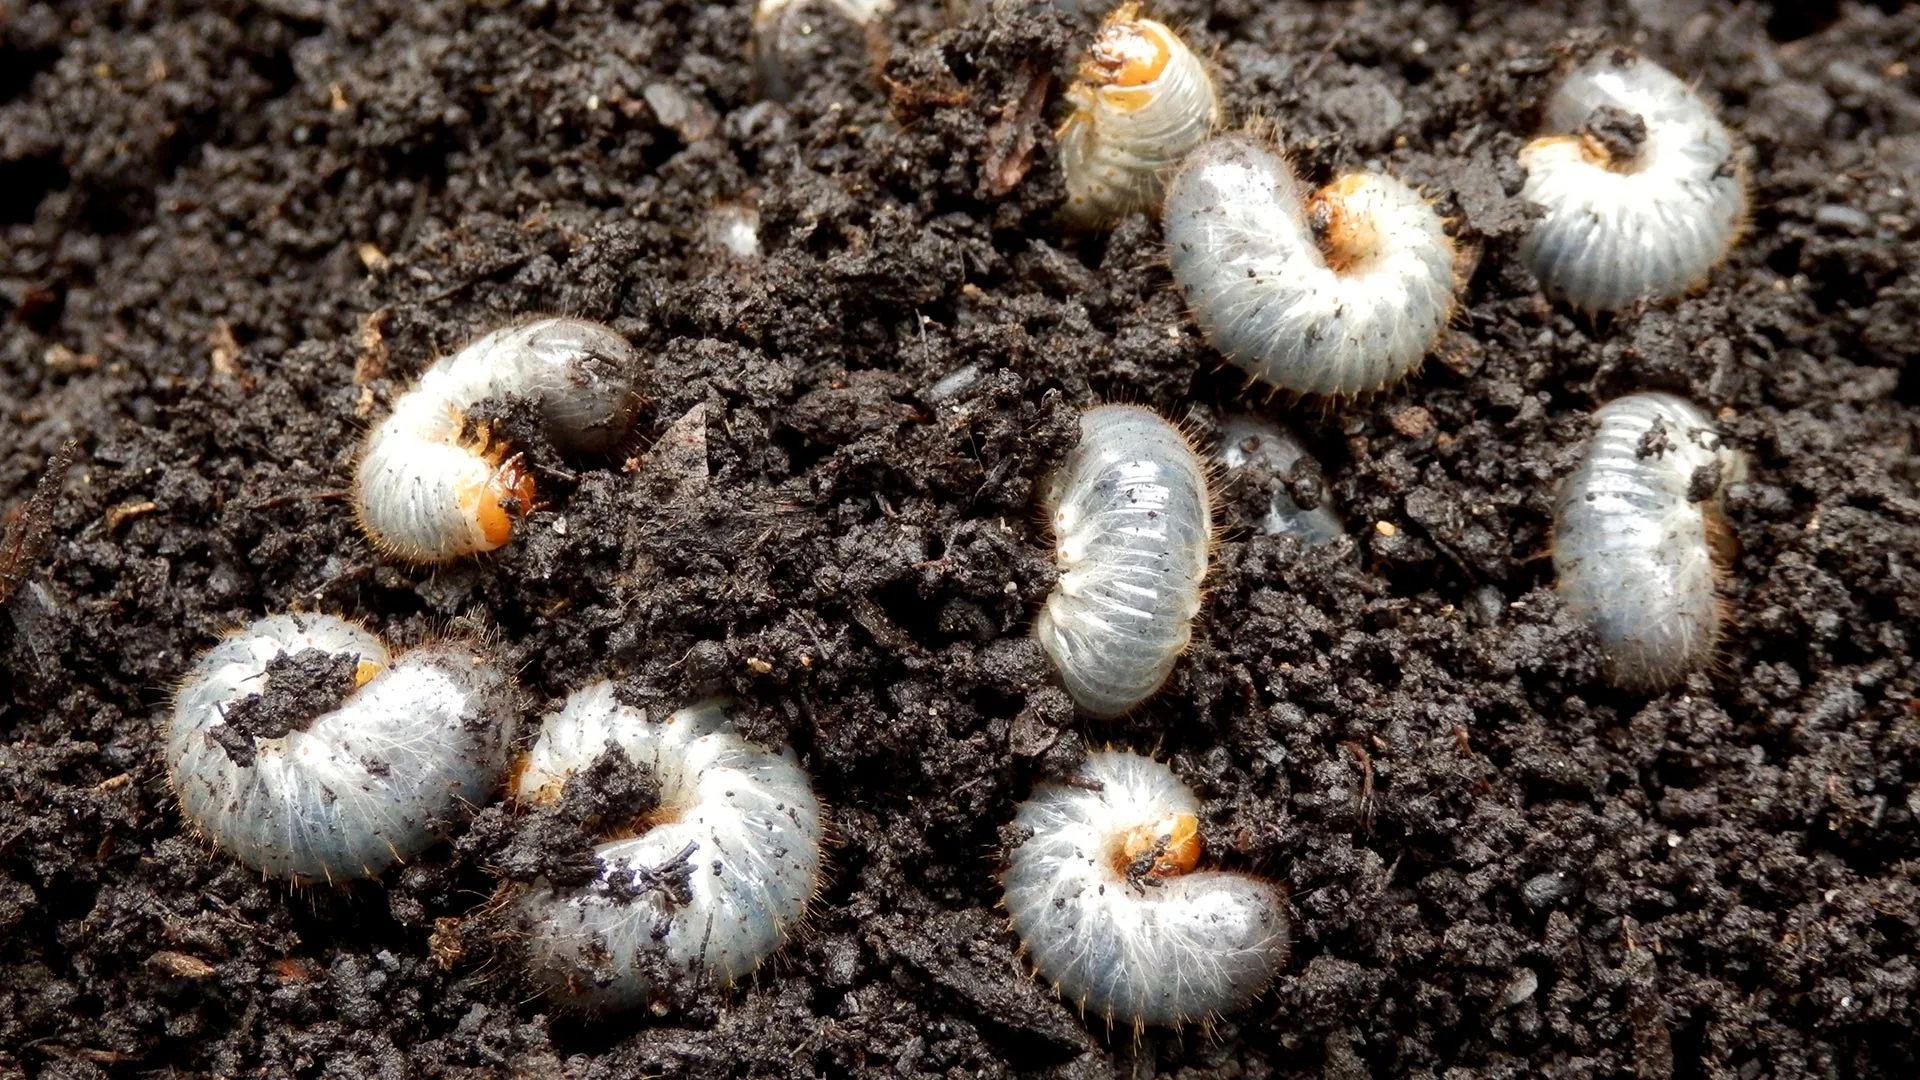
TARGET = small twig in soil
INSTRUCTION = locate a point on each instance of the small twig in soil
(1013, 137)
(1363, 806)
(330, 495)
(24, 539)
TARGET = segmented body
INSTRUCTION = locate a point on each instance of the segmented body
(1622, 222)
(1109, 909)
(1132, 526)
(432, 485)
(420, 743)
(1249, 440)
(1341, 292)
(1638, 528)
(717, 877)
(1142, 101)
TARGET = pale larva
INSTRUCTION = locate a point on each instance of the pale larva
(1249, 440)
(1640, 538)
(301, 747)
(1142, 101)
(1640, 189)
(1340, 292)
(733, 229)
(792, 38)
(721, 874)
(432, 485)
(1103, 897)
(1132, 529)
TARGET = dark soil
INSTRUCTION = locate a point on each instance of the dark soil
(233, 231)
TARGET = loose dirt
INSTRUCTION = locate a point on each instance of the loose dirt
(231, 232)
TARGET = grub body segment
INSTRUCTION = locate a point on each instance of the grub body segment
(1108, 907)
(418, 744)
(1337, 292)
(1132, 524)
(1640, 538)
(715, 880)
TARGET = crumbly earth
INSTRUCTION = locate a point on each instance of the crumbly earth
(231, 232)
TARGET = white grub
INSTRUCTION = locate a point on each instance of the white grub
(1250, 441)
(721, 874)
(1132, 528)
(432, 485)
(1142, 101)
(733, 228)
(791, 38)
(1109, 909)
(416, 745)
(1640, 538)
(1336, 293)
(1641, 192)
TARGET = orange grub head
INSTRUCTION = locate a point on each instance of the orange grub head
(1127, 57)
(1591, 148)
(1346, 237)
(507, 491)
(547, 795)
(1166, 848)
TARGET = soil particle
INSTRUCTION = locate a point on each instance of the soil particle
(298, 688)
(231, 234)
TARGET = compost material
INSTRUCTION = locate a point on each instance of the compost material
(232, 232)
